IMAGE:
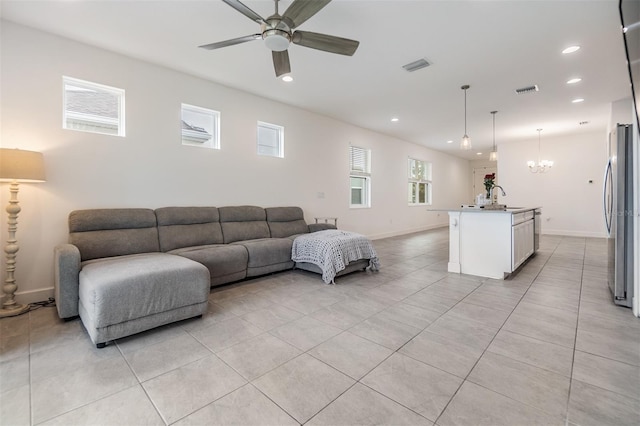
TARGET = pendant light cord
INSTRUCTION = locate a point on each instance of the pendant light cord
(465, 87)
(494, 129)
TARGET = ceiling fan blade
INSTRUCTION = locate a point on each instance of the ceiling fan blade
(301, 10)
(245, 11)
(281, 62)
(328, 43)
(231, 42)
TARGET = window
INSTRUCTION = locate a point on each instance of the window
(200, 127)
(360, 176)
(92, 107)
(419, 182)
(270, 140)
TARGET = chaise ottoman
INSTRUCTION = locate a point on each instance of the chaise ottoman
(333, 252)
(124, 295)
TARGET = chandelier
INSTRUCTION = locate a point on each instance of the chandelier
(541, 166)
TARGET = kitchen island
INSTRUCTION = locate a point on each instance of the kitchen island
(492, 243)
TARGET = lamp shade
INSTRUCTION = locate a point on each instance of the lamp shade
(20, 165)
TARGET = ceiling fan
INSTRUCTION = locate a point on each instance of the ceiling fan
(278, 33)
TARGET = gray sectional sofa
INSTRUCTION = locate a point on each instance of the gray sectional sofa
(129, 270)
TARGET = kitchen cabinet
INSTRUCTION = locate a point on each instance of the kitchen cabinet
(490, 243)
(522, 235)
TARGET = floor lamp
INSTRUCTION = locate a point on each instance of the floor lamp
(16, 165)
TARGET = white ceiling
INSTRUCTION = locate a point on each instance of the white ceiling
(494, 46)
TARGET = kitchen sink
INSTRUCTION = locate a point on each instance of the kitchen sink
(495, 207)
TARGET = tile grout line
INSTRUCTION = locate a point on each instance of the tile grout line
(575, 340)
(140, 383)
(358, 381)
(489, 344)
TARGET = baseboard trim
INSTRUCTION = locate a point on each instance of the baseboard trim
(31, 296)
(583, 234)
(407, 231)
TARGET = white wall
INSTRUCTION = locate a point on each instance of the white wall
(571, 205)
(150, 168)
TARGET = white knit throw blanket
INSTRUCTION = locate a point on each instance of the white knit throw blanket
(332, 250)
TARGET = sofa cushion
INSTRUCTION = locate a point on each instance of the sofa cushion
(267, 251)
(113, 232)
(187, 227)
(123, 288)
(286, 221)
(221, 260)
(240, 223)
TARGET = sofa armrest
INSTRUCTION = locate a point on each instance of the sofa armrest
(314, 227)
(67, 279)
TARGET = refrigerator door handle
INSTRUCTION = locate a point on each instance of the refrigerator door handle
(607, 203)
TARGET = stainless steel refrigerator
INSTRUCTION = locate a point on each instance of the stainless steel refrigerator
(618, 214)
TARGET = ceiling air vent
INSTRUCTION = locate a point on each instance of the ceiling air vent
(528, 89)
(416, 65)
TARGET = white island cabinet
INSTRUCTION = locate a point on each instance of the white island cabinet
(490, 243)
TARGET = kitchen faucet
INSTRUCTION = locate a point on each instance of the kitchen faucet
(491, 192)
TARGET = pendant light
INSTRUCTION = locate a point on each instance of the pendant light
(466, 140)
(493, 155)
(542, 166)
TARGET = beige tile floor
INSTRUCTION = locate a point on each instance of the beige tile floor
(411, 344)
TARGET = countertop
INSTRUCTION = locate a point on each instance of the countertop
(509, 210)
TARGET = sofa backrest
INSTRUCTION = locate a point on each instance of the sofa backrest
(240, 223)
(187, 227)
(113, 232)
(286, 221)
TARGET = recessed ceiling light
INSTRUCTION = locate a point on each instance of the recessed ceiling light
(449, 141)
(574, 80)
(577, 101)
(478, 153)
(287, 78)
(395, 119)
(571, 49)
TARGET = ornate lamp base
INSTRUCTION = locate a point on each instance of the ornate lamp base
(14, 310)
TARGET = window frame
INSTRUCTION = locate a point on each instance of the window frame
(415, 182)
(79, 117)
(211, 143)
(280, 139)
(364, 174)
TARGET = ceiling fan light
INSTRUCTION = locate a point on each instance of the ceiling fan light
(276, 40)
